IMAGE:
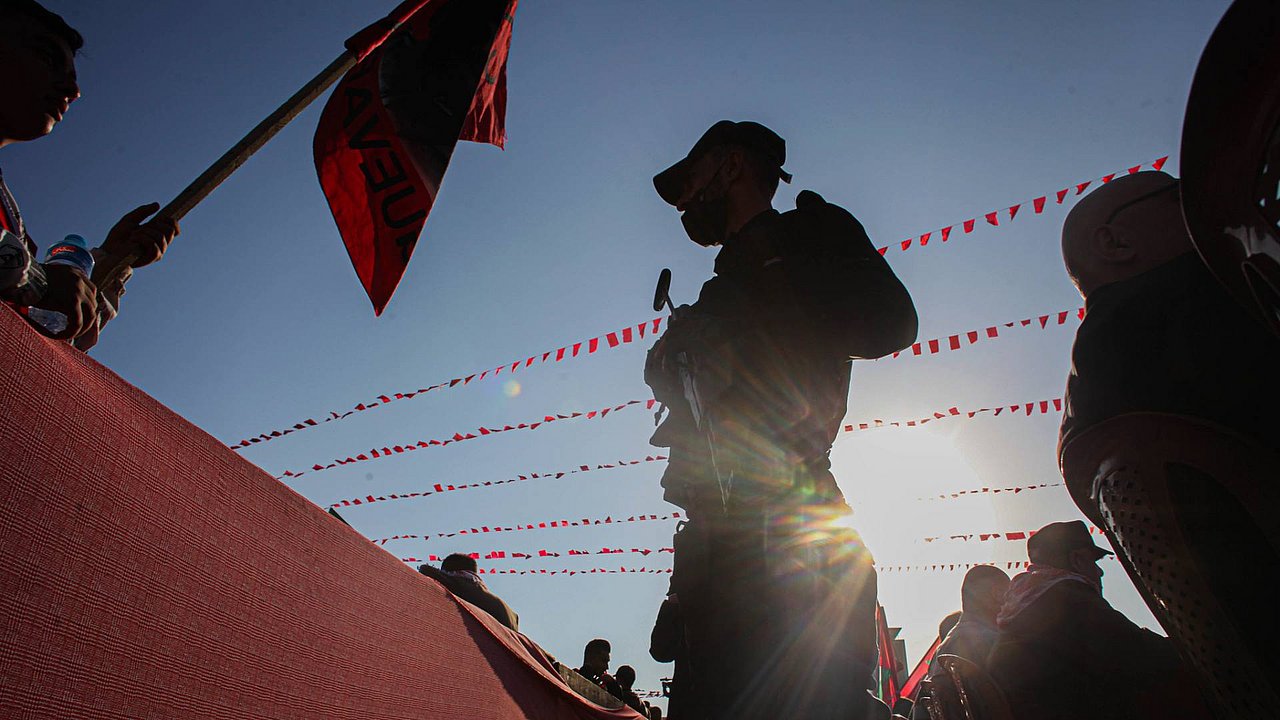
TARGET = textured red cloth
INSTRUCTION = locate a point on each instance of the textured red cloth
(150, 572)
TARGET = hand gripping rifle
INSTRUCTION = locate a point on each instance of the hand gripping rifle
(687, 367)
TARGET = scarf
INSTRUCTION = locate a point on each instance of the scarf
(1029, 586)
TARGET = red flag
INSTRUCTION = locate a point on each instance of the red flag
(887, 662)
(431, 73)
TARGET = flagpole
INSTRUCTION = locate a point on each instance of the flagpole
(231, 160)
(239, 153)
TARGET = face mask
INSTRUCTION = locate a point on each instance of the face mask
(706, 220)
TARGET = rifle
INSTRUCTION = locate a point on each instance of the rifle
(687, 368)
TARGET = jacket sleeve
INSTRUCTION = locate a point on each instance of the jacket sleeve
(859, 304)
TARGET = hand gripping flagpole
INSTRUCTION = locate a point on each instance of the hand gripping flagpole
(358, 47)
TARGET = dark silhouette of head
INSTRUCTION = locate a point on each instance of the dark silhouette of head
(459, 562)
(1067, 546)
(982, 592)
(37, 69)
(1126, 227)
(729, 177)
(595, 657)
(655, 712)
(626, 676)
(948, 622)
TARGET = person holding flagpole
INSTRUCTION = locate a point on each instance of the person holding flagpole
(37, 69)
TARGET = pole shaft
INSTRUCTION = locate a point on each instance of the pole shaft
(231, 161)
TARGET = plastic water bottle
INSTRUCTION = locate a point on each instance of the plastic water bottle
(73, 251)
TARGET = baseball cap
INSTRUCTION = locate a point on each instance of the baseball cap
(747, 134)
(1062, 537)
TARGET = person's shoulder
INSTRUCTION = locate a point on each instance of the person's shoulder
(826, 224)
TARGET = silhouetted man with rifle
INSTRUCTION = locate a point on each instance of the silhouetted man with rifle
(776, 592)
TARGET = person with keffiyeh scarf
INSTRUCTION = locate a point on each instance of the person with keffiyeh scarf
(1064, 652)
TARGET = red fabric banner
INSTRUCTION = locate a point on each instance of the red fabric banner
(431, 73)
(214, 592)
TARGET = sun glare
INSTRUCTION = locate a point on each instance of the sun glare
(885, 473)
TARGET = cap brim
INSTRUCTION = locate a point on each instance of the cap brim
(1101, 553)
(670, 182)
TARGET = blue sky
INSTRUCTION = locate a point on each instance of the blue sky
(912, 115)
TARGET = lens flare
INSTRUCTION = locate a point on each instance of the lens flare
(511, 388)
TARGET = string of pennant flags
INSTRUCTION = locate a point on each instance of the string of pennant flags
(1034, 407)
(1037, 207)
(624, 336)
(971, 337)
(908, 568)
(638, 331)
(1013, 535)
(934, 567)
(439, 488)
(518, 555)
(985, 537)
(458, 437)
(443, 488)
(991, 491)
(544, 525)
(645, 552)
(544, 571)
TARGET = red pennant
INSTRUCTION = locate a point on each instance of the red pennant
(1134, 170)
(993, 219)
(1062, 194)
(968, 225)
(946, 233)
(906, 243)
(924, 239)
(1013, 211)
(1038, 204)
(1108, 178)
(1158, 164)
(1080, 188)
